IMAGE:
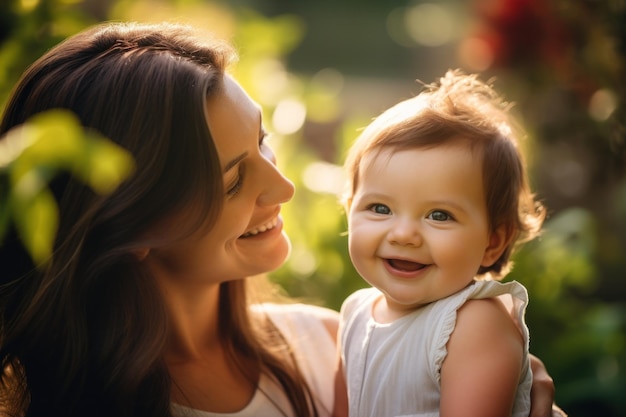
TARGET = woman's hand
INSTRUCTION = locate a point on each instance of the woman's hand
(542, 392)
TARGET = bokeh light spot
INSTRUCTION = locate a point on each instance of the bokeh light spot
(289, 116)
(570, 177)
(429, 24)
(302, 261)
(28, 5)
(396, 27)
(602, 104)
(271, 81)
(328, 78)
(475, 54)
(324, 177)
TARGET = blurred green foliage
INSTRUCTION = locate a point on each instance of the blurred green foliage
(574, 272)
(32, 154)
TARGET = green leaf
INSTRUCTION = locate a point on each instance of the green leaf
(52, 140)
(32, 154)
(106, 165)
(36, 220)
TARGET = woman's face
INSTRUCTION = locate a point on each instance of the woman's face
(248, 237)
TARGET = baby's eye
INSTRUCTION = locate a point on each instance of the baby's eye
(439, 216)
(379, 208)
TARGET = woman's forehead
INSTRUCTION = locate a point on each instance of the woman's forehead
(234, 121)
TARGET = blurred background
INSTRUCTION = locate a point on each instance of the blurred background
(323, 69)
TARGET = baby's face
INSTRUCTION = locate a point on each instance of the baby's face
(418, 224)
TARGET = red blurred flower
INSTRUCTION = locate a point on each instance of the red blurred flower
(524, 32)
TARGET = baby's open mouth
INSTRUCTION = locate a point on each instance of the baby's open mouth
(402, 265)
(263, 228)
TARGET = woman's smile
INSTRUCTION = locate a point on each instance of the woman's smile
(270, 225)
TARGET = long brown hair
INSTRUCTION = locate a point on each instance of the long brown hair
(86, 335)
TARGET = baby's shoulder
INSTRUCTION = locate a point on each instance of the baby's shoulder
(486, 316)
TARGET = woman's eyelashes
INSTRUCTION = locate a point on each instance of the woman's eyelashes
(264, 136)
(238, 183)
(234, 188)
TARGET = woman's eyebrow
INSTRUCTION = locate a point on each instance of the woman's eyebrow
(238, 159)
(235, 161)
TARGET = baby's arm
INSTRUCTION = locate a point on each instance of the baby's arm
(481, 371)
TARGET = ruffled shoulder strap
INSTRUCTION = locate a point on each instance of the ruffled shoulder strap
(512, 294)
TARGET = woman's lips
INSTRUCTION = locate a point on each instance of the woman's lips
(263, 228)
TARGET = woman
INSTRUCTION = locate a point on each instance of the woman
(143, 309)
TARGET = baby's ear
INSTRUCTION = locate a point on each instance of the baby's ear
(498, 242)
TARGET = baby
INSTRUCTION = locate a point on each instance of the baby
(438, 198)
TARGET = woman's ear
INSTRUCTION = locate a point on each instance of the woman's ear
(141, 253)
(499, 240)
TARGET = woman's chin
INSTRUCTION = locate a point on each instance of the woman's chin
(274, 256)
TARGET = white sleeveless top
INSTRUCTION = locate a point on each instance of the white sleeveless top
(394, 369)
(315, 353)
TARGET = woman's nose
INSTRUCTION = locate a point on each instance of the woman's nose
(405, 232)
(277, 188)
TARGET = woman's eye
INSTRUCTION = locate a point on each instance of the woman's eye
(266, 150)
(234, 189)
(439, 216)
(379, 208)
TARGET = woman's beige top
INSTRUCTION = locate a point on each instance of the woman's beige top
(315, 354)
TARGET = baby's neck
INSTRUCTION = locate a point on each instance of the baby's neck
(385, 313)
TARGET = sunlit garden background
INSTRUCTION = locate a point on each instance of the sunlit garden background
(322, 69)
